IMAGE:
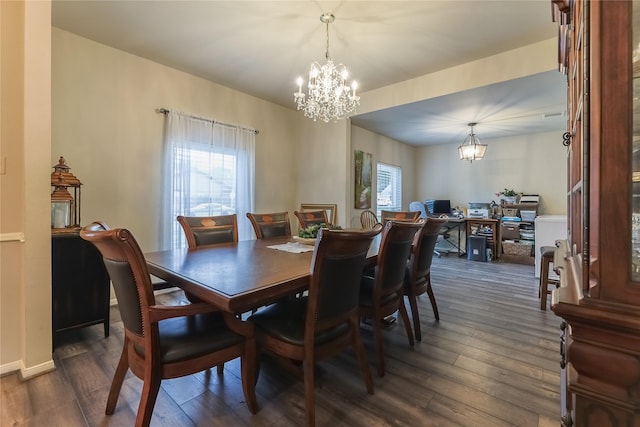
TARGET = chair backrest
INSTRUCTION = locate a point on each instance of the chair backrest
(417, 206)
(393, 255)
(129, 275)
(399, 216)
(423, 249)
(368, 219)
(209, 230)
(336, 268)
(270, 225)
(307, 218)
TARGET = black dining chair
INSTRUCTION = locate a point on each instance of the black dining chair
(326, 321)
(162, 342)
(381, 288)
(418, 274)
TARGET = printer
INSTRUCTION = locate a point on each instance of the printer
(478, 210)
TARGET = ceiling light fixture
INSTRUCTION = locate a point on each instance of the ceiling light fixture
(471, 149)
(330, 99)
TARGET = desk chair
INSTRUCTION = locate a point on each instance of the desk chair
(270, 225)
(399, 216)
(162, 342)
(326, 321)
(307, 218)
(381, 289)
(416, 206)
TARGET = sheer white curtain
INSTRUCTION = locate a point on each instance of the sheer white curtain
(205, 161)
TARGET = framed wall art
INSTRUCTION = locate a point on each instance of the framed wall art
(362, 184)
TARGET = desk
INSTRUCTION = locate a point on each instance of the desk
(457, 225)
(238, 277)
(490, 228)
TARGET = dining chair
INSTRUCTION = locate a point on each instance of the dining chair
(307, 218)
(369, 220)
(326, 321)
(408, 216)
(157, 286)
(418, 275)
(209, 230)
(270, 225)
(162, 342)
(381, 288)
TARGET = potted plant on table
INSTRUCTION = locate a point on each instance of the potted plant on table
(308, 235)
(508, 196)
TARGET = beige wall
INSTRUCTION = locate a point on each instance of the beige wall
(532, 164)
(25, 100)
(322, 159)
(105, 125)
(383, 150)
(12, 179)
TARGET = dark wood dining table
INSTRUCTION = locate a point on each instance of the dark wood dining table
(238, 277)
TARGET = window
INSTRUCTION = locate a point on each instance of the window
(209, 170)
(389, 188)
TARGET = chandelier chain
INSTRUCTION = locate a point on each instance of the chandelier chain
(326, 55)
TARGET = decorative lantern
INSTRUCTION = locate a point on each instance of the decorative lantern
(65, 205)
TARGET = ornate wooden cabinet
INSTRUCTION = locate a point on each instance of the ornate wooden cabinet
(599, 264)
(80, 284)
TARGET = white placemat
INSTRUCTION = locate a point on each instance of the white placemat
(292, 247)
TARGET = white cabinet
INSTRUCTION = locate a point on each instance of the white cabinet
(549, 228)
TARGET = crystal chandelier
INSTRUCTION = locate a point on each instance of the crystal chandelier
(471, 149)
(330, 99)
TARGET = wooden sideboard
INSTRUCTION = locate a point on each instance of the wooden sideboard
(80, 284)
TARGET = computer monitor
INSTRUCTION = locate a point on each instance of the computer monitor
(439, 206)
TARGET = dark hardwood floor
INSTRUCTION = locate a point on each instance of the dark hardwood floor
(492, 360)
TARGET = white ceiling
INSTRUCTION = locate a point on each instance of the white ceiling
(261, 47)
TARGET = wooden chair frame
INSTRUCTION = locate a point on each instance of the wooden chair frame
(141, 352)
(418, 277)
(388, 281)
(332, 247)
(308, 218)
(403, 216)
(369, 220)
(209, 224)
(262, 222)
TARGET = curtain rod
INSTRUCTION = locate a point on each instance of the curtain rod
(166, 111)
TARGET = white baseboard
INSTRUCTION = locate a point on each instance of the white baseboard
(26, 373)
(10, 367)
